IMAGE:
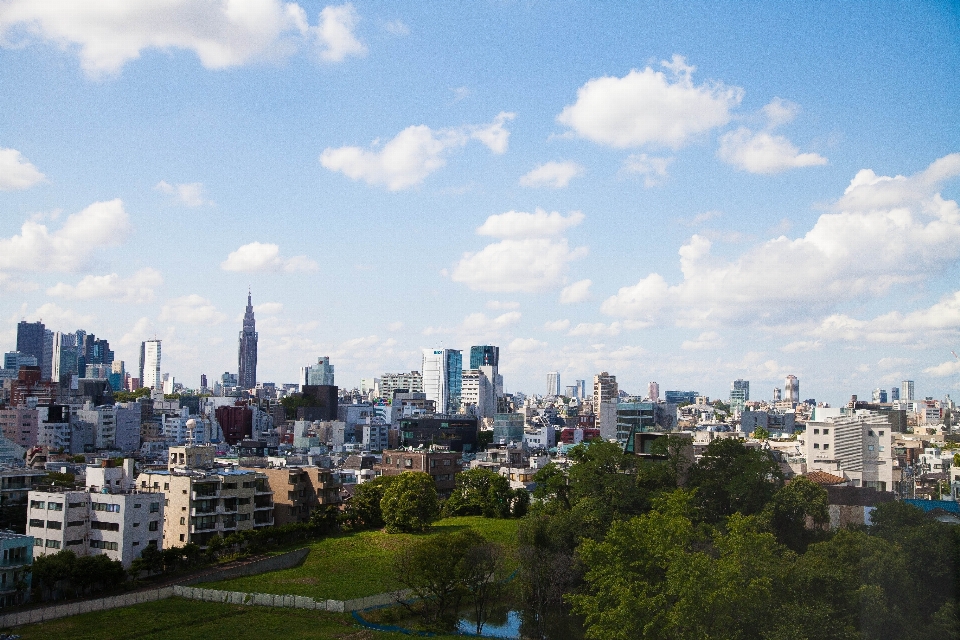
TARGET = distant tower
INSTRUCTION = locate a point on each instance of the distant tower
(777, 395)
(653, 391)
(739, 394)
(247, 352)
(553, 383)
(894, 394)
(150, 364)
(791, 389)
(906, 390)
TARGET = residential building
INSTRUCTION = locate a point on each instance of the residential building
(443, 466)
(319, 374)
(906, 391)
(443, 378)
(110, 517)
(16, 551)
(375, 435)
(247, 349)
(150, 364)
(235, 422)
(653, 391)
(453, 432)
(856, 444)
(19, 425)
(299, 490)
(478, 392)
(410, 382)
(894, 394)
(553, 383)
(791, 389)
(606, 393)
(739, 395)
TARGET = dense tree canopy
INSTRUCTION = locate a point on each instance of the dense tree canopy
(410, 503)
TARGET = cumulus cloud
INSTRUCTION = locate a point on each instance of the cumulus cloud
(944, 369)
(54, 315)
(335, 33)
(556, 175)
(653, 169)
(650, 107)
(557, 325)
(705, 341)
(190, 194)
(526, 345)
(940, 319)
(413, 154)
(107, 35)
(397, 28)
(15, 172)
(884, 232)
(529, 258)
(138, 288)
(763, 151)
(478, 326)
(191, 309)
(576, 292)
(69, 248)
(595, 329)
(259, 256)
(802, 345)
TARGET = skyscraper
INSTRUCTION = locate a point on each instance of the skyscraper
(791, 389)
(739, 394)
(553, 383)
(894, 394)
(30, 339)
(484, 355)
(653, 391)
(247, 350)
(906, 390)
(321, 373)
(150, 364)
(443, 378)
(606, 392)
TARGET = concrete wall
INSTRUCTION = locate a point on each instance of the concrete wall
(273, 563)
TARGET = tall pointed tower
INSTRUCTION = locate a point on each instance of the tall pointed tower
(247, 359)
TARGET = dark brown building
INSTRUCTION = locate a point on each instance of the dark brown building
(297, 491)
(235, 422)
(442, 465)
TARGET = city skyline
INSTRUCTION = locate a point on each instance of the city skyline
(390, 179)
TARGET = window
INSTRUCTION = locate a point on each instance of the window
(880, 433)
(75, 523)
(230, 485)
(103, 544)
(55, 525)
(104, 506)
(826, 446)
(38, 542)
(446, 462)
(136, 506)
(37, 504)
(136, 544)
(870, 448)
(54, 506)
(154, 525)
(243, 501)
(870, 433)
(166, 486)
(73, 543)
(433, 463)
(826, 432)
(181, 537)
(105, 526)
(36, 523)
(816, 432)
(182, 521)
(154, 507)
(408, 462)
(881, 447)
(52, 544)
(816, 445)
(243, 516)
(143, 484)
(74, 505)
(136, 524)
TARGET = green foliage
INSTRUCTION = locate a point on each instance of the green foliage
(64, 574)
(732, 478)
(410, 503)
(480, 492)
(60, 479)
(789, 508)
(761, 434)
(131, 396)
(520, 503)
(293, 402)
(484, 438)
(362, 510)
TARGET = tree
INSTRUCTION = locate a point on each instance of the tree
(149, 561)
(480, 492)
(791, 506)
(410, 503)
(732, 478)
(362, 510)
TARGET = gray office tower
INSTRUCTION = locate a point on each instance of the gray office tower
(247, 356)
(485, 355)
(30, 341)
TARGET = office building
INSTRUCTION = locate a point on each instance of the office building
(606, 393)
(453, 432)
(653, 391)
(854, 444)
(247, 349)
(894, 394)
(553, 383)
(777, 394)
(739, 394)
(791, 389)
(484, 355)
(150, 364)
(443, 378)
(65, 356)
(298, 491)
(906, 391)
(441, 465)
(478, 392)
(30, 342)
(408, 382)
(15, 571)
(110, 517)
(681, 397)
(880, 395)
(317, 374)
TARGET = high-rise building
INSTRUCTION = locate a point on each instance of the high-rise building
(653, 391)
(777, 394)
(389, 382)
(247, 349)
(478, 391)
(906, 391)
(791, 389)
(739, 394)
(319, 374)
(203, 381)
(553, 383)
(92, 352)
(30, 341)
(65, 356)
(443, 378)
(606, 392)
(150, 364)
(484, 355)
(880, 395)
(894, 394)
(581, 389)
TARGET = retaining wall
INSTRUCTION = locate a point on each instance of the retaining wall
(273, 563)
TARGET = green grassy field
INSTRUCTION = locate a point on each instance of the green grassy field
(358, 564)
(176, 619)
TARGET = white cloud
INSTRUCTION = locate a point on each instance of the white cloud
(16, 285)
(649, 108)
(576, 292)
(700, 218)
(860, 251)
(191, 309)
(552, 174)
(653, 169)
(397, 28)
(413, 154)
(942, 318)
(138, 288)
(477, 326)
(526, 345)
(779, 112)
(519, 224)
(802, 345)
(57, 318)
(268, 308)
(69, 248)
(527, 259)
(557, 325)
(190, 193)
(15, 172)
(763, 152)
(497, 305)
(705, 341)
(944, 369)
(258, 256)
(222, 33)
(461, 93)
(595, 329)
(335, 33)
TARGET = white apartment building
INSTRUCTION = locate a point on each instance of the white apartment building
(855, 445)
(375, 436)
(111, 516)
(412, 382)
(478, 390)
(150, 364)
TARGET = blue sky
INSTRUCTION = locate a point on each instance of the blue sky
(680, 192)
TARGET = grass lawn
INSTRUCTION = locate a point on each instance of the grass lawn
(357, 564)
(176, 619)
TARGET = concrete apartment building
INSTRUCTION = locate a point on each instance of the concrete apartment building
(19, 425)
(297, 491)
(111, 516)
(442, 465)
(203, 501)
(855, 445)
